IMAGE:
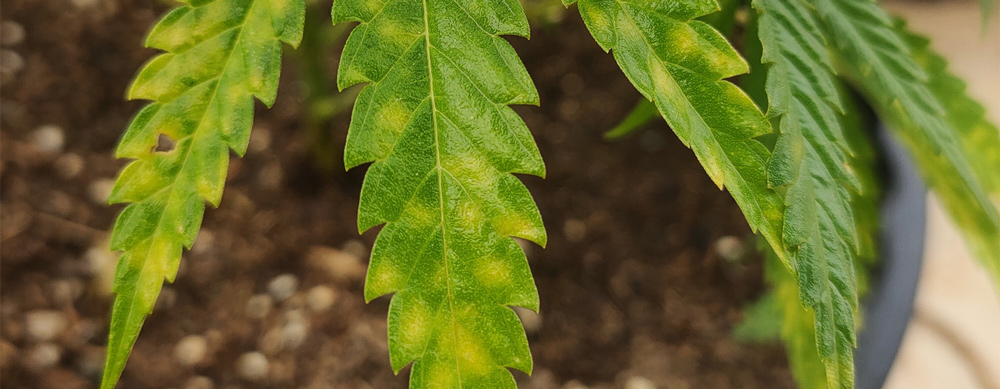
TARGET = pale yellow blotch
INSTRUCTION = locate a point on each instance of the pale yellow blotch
(597, 20)
(373, 6)
(415, 325)
(162, 253)
(386, 278)
(515, 225)
(280, 7)
(394, 33)
(256, 80)
(469, 215)
(421, 215)
(159, 255)
(472, 356)
(441, 375)
(685, 41)
(493, 272)
(717, 59)
(234, 92)
(393, 115)
(475, 172)
(176, 37)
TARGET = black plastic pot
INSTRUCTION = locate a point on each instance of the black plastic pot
(888, 306)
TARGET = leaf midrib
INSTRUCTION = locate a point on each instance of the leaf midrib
(187, 153)
(440, 179)
(752, 199)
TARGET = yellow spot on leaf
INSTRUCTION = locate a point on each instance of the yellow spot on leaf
(515, 225)
(472, 356)
(493, 271)
(393, 115)
(414, 325)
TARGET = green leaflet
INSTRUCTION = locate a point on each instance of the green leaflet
(679, 64)
(762, 319)
(799, 326)
(202, 90)
(642, 113)
(980, 141)
(811, 162)
(434, 120)
(979, 137)
(875, 57)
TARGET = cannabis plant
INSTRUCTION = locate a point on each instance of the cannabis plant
(434, 122)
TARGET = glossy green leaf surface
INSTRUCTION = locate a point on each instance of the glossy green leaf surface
(811, 162)
(875, 56)
(219, 55)
(800, 326)
(435, 123)
(679, 64)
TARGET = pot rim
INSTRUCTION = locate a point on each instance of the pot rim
(887, 308)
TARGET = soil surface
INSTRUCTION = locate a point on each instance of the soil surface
(635, 290)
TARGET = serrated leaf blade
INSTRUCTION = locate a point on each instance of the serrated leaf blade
(811, 161)
(679, 64)
(435, 123)
(876, 57)
(219, 55)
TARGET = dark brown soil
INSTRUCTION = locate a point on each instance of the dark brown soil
(631, 284)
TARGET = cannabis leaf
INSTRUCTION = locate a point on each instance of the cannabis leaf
(980, 145)
(811, 162)
(679, 64)
(876, 58)
(979, 137)
(219, 56)
(799, 329)
(435, 121)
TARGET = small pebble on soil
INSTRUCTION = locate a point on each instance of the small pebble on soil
(342, 265)
(100, 190)
(282, 287)
(730, 248)
(294, 334)
(199, 382)
(272, 342)
(45, 325)
(356, 248)
(190, 350)
(258, 306)
(252, 366)
(574, 384)
(637, 382)
(66, 291)
(321, 298)
(69, 165)
(48, 139)
(11, 63)
(11, 33)
(43, 356)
